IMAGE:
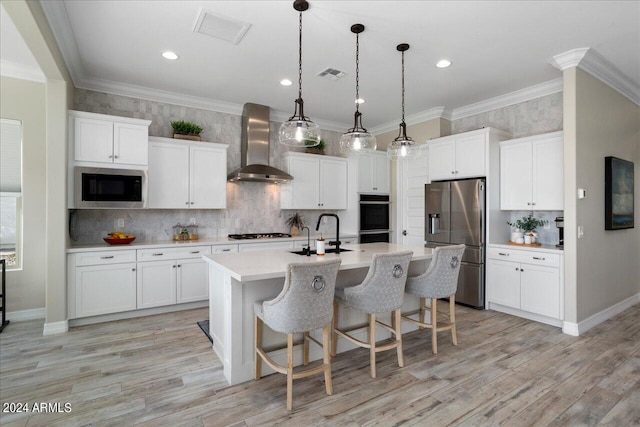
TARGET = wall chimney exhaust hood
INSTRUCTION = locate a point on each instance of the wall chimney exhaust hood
(254, 148)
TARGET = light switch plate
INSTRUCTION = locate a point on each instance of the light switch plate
(580, 231)
(120, 222)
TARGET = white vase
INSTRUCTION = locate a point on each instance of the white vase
(527, 239)
(515, 235)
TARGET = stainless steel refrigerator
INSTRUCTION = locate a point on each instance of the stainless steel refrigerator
(454, 214)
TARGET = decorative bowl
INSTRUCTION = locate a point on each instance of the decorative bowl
(124, 241)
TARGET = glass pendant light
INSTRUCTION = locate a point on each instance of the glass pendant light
(299, 131)
(403, 146)
(357, 139)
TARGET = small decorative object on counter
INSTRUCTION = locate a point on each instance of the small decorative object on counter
(295, 222)
(186, 130)
(180, 232)
(193, 232)
(525, 228)
(320, 246)
(119, 238)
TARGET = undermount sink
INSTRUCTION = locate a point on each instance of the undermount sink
(327, 251)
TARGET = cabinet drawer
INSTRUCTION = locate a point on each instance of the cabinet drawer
(224, 248)
(105, 257)
(524, 256)
(249, 247)
(159, 254)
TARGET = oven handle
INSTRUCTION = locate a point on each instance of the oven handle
(375, 203)
(374, 231)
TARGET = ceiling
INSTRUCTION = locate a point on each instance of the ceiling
(496, 47)
(16, 58)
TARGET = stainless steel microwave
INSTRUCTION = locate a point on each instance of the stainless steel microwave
(110, 188)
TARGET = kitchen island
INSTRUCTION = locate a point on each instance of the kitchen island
(237, 280)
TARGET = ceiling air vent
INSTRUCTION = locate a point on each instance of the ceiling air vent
(215, 25)
(331, 74)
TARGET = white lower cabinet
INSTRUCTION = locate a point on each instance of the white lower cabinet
(103, 289)
(156, 283)
(192, 282)
(526, 283)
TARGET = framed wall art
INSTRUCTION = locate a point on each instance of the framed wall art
(618, 194)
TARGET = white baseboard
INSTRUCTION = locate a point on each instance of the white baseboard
(54, 328)
(22, 315)
(579, 328)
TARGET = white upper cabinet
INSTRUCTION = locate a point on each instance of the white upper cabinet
(531, 173)
(109, 140)
(373, 173)
(319, 182)
(187, 174)
(464, 155)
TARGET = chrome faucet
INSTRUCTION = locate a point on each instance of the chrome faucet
(336, 242)
(308, 249)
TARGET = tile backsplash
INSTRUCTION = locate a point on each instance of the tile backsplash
(546, 236)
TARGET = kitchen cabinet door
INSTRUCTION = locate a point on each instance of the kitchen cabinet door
(373, 173)
(93, 140)
(503, 283)
(547, 174)
(168, 180)
(192, 280)
(304, 189)
(207, 178)
(515, 176)
(130, 144)
(102, 289)
(442, 160)
(470, 156)
(540, 287)
(156, 283)
(333, 184)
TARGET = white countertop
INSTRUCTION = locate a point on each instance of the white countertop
(154, 244)
(248, 266)
(544, 248)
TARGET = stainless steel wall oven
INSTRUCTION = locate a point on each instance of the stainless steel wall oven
(374, 218)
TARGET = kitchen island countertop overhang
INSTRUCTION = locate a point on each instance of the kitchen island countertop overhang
(238, 280)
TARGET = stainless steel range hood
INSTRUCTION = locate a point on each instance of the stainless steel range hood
(254, 148)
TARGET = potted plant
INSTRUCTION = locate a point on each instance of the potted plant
(316, 149)
(527, 225)
(295, 223)
(186, 130)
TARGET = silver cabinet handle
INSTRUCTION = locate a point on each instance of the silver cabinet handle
(186, 203)
(521, 269)
(157, 254)
(453, 172)
(539, 258)
(107, 257)
(111, 157)
(179, 265)
(173, 266)
(194, 252)
(192, 203)
(528, 203)
(115, 157)
(517, 269)
(502, 254)
(533, 204)
(133, 269)
(226, 250)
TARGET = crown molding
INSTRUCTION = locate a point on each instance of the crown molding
(511, 98)
(422, 116)
(599, 67)
(17, 71)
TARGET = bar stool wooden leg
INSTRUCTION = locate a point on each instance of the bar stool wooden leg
(452, 319)
(258, 344)
(434, 326)
(372, 343)
(326, 341)
(397, 326)
(334, 325)
(289, 372)
(305, 348)
(423, 304)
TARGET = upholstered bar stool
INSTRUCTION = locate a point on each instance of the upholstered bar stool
(381, 291)
(305, 304)
(440, 280)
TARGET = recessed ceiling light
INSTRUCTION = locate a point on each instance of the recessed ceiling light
(286, 82)
(359, 101)
(170, 55)
(443, 63)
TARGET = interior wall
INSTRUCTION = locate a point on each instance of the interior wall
(608, 124)
(25, 101)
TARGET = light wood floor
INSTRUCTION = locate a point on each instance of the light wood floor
(160, 370)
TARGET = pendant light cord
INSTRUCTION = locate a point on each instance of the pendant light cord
(357, 72)
(300, 59)
(403, 87)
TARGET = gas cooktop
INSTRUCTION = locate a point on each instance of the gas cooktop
(257, 236)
